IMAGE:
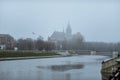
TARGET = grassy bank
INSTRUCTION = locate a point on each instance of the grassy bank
(7, 54)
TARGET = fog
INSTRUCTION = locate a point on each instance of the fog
(96, 20)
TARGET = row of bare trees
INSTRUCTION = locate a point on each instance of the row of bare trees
(97, 46)
(30, 44)
(76, 43)
(100, 46)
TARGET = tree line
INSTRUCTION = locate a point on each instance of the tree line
(30, 44)
(77, 43)
(100, 46)
(81, 44)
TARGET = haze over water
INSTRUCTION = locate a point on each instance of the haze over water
(42, 69)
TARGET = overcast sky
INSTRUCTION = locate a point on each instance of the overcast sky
(96, 20)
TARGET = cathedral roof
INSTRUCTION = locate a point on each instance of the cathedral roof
(58, 35)
(61, 36)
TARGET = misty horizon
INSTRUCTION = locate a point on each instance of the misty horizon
(96, 20)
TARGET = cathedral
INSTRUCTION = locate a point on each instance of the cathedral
(61, 36)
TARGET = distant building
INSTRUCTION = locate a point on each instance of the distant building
(6, 41)
(58, 37)
(61, 36)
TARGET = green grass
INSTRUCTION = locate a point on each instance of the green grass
(5, 54)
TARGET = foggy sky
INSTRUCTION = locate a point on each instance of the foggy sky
(96, 20)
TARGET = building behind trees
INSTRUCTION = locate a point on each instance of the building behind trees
(66, 40)
(6, 41)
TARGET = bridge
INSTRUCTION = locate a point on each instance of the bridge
(90, 52)
(84, 52)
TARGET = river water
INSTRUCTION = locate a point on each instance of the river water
(64, 68)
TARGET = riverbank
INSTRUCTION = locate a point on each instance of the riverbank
(33, 57)
(19, 55)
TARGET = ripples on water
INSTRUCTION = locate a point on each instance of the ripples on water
(65, 68)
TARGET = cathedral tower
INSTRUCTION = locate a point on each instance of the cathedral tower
(69, 30)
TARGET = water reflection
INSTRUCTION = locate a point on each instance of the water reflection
(63, 67)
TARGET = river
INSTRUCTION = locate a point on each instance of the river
(82, 67)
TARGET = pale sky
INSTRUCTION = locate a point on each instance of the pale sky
(96, 20)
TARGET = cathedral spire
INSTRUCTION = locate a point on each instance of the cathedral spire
(68, 30)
